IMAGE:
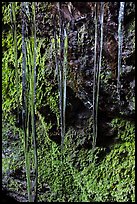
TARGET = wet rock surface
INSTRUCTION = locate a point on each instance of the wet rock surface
(81, 65)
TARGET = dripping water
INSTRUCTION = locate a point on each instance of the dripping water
(120, 41)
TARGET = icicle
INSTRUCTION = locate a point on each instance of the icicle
(61, 64)
(120, 41)
(94, 80)
(24, 103)
(61, 77)
(97, 68)
(64, 76)
(33, 104)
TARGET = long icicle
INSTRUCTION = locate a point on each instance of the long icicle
(62, 89)
(97, 72)
(24, 104)
(61, 74)
(99, 67)
(65, 76)
(94, 80)
(34, 103)
(120, 41)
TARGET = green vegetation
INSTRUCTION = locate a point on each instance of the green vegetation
(110, 179)
(94, 179)
(113, 179)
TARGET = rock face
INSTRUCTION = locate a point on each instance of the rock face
(81, 69)
(81, 40)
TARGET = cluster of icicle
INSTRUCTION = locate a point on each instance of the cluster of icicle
(61, 44)
(97, 63)
(28, 91)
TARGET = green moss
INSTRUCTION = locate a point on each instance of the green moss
(125, 129)
(5, 164)
(113, 179)
(109, 180)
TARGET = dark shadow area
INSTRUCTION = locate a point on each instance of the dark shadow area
(6, 198)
